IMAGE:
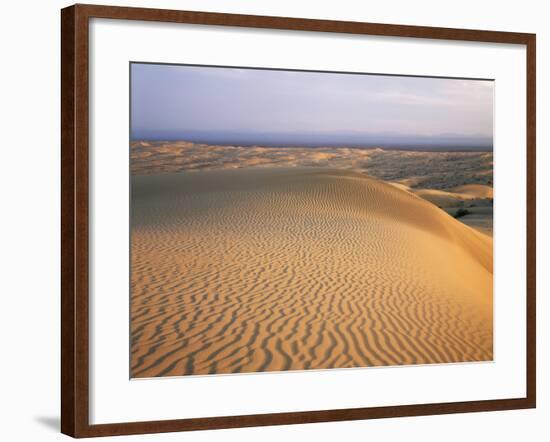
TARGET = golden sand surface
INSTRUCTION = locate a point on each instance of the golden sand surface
(249, 270)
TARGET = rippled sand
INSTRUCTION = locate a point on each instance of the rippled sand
(251, 270)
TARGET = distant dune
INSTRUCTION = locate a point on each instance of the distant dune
(473, 201)
(247, 270)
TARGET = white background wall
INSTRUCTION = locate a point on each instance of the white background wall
(29, 219)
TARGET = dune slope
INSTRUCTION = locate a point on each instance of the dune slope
(288, 269)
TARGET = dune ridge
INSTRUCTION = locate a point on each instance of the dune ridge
(450, 180)
(251, 270)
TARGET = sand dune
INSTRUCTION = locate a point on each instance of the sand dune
(452, 197)
(450, 180)
(474, 191)
(477, 199)
(251, 270)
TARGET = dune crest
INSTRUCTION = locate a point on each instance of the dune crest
(289, 269)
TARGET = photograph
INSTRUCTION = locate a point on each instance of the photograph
(308, 220)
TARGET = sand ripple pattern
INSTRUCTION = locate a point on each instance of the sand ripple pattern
(254, 270)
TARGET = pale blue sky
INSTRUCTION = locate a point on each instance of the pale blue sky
(251, 106)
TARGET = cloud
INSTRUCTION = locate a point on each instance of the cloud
(167, 98)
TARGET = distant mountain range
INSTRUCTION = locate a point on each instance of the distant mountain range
(445, 142)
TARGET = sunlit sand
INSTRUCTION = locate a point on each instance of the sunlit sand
(246, 269)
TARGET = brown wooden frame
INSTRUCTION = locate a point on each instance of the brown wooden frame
(74, 220)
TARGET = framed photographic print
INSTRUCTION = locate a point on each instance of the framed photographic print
(273, 220)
